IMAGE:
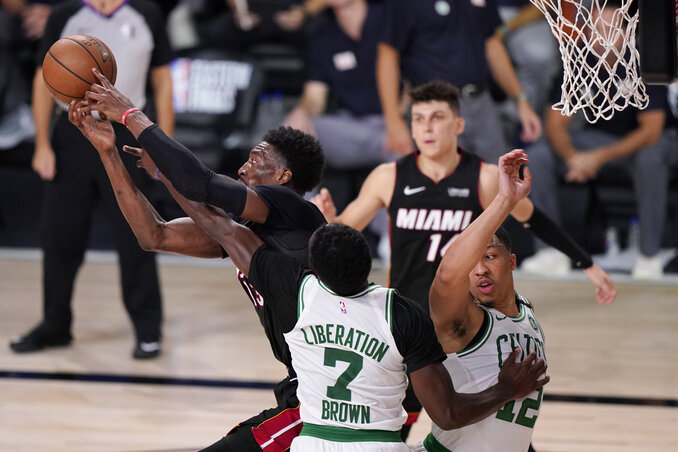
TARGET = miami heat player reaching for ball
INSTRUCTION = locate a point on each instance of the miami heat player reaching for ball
(267, 198)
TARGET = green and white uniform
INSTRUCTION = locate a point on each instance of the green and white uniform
(351, 355)
(349, 340)
(477, 368)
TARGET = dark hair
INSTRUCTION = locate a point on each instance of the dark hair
(504, 238)
(302, 153)
(437, 90)
(339, 255)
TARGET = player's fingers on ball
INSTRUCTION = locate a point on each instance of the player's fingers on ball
(101, 77)
(93, 96)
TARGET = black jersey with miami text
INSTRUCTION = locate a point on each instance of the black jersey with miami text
(290, 223)
(425, 217)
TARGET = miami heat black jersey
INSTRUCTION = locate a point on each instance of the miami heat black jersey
(290, 223)
(424, 219)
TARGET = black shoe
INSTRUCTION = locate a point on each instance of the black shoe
(146, 350)
(37, 340)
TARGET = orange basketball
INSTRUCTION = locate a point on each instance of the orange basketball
(67, 67)
(568, 12)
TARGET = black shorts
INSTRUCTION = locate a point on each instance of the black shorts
(274, 428)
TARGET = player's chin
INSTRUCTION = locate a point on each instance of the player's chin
(486, 299)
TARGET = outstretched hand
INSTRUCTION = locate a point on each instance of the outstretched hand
(510, 184)
(325, 204)
(606, 291)
(145, 161)
(524, 377)
(99, 133)
(107, 99)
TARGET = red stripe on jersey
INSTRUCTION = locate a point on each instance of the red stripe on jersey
(411, 418)
(276, 434)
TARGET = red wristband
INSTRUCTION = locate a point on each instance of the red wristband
(124, 115)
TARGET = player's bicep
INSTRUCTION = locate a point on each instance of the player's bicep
(375, 193)
(449, 294)
(183, 236)
(488, 185)
(255, 209)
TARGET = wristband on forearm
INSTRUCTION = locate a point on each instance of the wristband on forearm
(548, 231)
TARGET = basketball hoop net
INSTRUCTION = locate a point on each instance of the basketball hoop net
(599, 54)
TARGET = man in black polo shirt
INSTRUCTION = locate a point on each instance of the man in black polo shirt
(342, 52)
(453, 41)
(639, 143)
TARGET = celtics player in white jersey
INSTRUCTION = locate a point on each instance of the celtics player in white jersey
(480, 319)
(353, 343)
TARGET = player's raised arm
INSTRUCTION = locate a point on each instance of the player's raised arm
(179, 236)
(551, 233)
(449, 292)
(189, 176)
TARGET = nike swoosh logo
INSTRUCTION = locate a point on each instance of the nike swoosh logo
(412, 191)
(499, 319)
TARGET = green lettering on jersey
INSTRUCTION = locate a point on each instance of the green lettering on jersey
(321, 334)
(349, 338)
(305, 337)
(328, 329)
(339, 335)
(381, 352)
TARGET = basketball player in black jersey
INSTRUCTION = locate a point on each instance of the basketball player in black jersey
(279, 170)
(432, 194)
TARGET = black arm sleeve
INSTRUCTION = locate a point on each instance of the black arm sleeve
(189, 176)
(547, 230)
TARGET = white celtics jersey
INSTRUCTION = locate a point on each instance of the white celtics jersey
(351, 374)
(477, 368)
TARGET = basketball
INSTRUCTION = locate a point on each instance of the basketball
(67, 67)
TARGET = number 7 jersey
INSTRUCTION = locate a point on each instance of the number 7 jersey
(477, 368)
(425, 217)
(340, 347)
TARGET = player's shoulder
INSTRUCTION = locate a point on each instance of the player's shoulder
(383, 173)
(488, 173)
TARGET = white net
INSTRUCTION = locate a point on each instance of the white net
(600, 59)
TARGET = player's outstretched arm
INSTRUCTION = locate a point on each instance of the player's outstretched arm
(551, 233)
(237, 240)
(189, 176)
(179, 236)
(375, 193)
(448, 295)
(450, 409)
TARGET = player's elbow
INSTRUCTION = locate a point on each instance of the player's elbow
(152, 240)
(449, 419)
(147, 244)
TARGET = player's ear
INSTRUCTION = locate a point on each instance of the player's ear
(460, 124)
(514, 262)
(284, 176)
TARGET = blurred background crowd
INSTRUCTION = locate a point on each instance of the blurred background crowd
(341, 70)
